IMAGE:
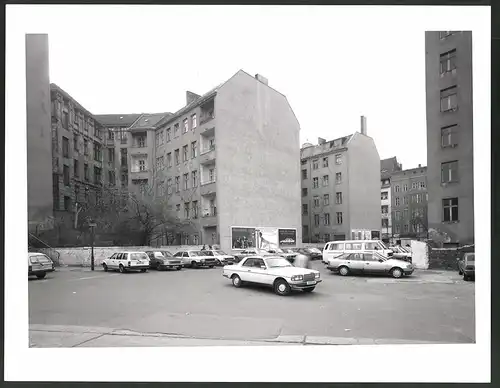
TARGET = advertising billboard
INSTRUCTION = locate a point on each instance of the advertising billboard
(242, 238)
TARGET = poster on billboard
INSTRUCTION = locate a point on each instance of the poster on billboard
(242, 238)
(287, 237)
(267, 237)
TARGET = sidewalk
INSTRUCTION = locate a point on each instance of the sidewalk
(56, 336)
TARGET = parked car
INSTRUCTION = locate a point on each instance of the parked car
(336, 248)
(221, 257)
(195, 259)
(371, 263)
(289, 255)
(39, 265)
(251, 252)
(401, 253)
(311, 253)
(466, 265)
(273, 271)
(127, 261)
(161, 260)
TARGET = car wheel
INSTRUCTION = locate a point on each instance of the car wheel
(310, 289)
(121, 268)
(179, 268)
(466, 278)
(158, 267)
(194, 264)
(144, 270)
(281, 287)
(105, 267)
(210, 266)
(236, 281)
(460, 272)
(41, 276)
(344, 271)
(396, 272)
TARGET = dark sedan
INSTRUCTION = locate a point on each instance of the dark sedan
(466, 266)
(311, 253)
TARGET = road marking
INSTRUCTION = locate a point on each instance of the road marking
(94, 277)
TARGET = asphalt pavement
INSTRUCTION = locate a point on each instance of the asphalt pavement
(77, 307)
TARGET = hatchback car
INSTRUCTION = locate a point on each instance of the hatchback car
(195, 259)
(221, 258)
(466, 266)
(161, 260)
(127, 261)
(39, 265)
(369, 263)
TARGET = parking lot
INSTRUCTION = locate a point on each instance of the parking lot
(429, 306)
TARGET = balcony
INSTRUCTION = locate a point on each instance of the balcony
(207, 156)
(207, 116)
(209, 220)
(138, 149)
(385, 215)
(208, 188)
(136, 175)
(109, 142)
(207, 131)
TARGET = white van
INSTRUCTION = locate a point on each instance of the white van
(336, 248)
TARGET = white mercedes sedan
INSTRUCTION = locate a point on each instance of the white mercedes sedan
(273, 271)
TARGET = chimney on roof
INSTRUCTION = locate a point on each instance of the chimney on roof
(262, 79)
(321, 141)
(191, 97)
(363, 125)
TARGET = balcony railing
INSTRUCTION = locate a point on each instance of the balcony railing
(205, 118)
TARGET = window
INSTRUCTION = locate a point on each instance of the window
(405, 200)
(86, 171)
(398, 228)
(65, 146)
(186, 180)
(316, 237)
(194, 149)
(327, 237)
(67, 203)
(450, 209)
(338, 159)
(405, 214)
(66, 175)
(75, 143)
(449, 99)
(169, 186)
(353, 247)
(315, 183)
(304, 209)
(194, 177)
(185, 126)
(339, 218)
(397, 201)
(159, 138)
(123, 157)
(184, 153)
(169, 134)
(405, 228)
(449, 172)
(176, 156)
(303, 162)
(327, 218)
(186, 210)
(397, 215)
(211, 175)
(195, 209)
(176, 130)
(414, 185)
(304, 192)
(447, 62)
(418, 198)
(304, 174)
(193, 121)
(97, 152)
(326, 199)
(316, 201)
(195, 238)
(315, 164)
(325, 180)
(405, 187)
(336, 247)
(124, 179)
(142, 165)
(316, 220)
(385, 209)
(338, 178)
(178, 208)
(111, 178)
(177, 184)
(338, 198)
(141, 141)
(384, 195)
(397, 188)
(325, 161)
(76, 168)
(160, 189)
(97, 175)
(421, 185)
(65, 122)
(449, 136)
(385, 223)
(169, 160)
(111, 155)
(445, 34)
(160, 163)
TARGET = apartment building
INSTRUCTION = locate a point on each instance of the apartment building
(39, 136)
(450, 175)
(387, 168)
(409, 203)
(78, 166)
(340, 188)
(227, 162)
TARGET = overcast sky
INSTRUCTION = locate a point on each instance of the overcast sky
(334, 64)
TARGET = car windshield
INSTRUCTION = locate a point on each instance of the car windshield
(277, 262)
(207, 253)
(382, 245)
(166, 254)
(138, 256)
(220, 253)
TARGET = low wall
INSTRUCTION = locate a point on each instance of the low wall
(82, 256)
(419, 254)
(443, 258)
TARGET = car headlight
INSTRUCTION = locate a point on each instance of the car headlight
(297, 277)
(316, 275)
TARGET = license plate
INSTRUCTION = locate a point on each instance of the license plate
(310, 283)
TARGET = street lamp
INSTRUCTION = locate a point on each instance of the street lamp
(92, 225)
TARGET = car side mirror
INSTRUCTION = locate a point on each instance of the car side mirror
(380, 260)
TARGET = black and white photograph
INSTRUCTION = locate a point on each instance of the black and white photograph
(202, 185)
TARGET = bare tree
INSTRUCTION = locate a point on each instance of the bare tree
(418, 221)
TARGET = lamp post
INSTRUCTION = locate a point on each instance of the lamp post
(92, 225)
